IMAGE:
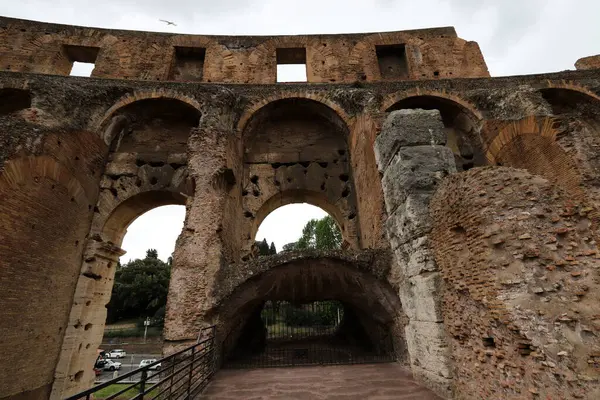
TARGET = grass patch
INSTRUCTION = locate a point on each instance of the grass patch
(132, 332)
(117, 387)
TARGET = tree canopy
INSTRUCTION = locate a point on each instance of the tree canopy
(140, 289)
(320, 234)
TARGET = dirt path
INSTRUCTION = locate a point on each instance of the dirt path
(373, 382)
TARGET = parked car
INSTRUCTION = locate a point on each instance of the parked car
(112, 365)
(155, 367)
(117, 354)
(100, 363)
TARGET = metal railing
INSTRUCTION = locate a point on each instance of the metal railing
(182, 375)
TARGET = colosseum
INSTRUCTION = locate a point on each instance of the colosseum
(468, 204)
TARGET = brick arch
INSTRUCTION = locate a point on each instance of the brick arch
(100, 124)
(322, 63)
(531, 144)
(299, 196)
(356, 279)
(20, 170)
(570, 86)
(254, 107)
(390, 100)
(128, 210)
(363, 52)
(462, 121)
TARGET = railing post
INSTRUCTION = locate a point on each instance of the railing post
(191, 371)
(143, 383)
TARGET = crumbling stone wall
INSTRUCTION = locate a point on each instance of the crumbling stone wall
(51, 49)
(413, 159)
(520, 266)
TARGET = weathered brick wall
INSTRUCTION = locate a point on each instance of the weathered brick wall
(44, 48)
(520, 269)
(46, 203)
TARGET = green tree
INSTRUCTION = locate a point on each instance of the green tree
(272, 249)
(320, 234)
(140, 288)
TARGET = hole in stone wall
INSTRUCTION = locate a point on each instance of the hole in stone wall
(489, 342)
(188, 64)
(82, 58)
(392, 61)
(291, 65)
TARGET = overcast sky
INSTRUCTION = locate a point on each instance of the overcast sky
(516, 37)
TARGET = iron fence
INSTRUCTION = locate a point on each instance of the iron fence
(182, 375)
(317, 333)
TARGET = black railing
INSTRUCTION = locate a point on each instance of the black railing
(318, 333)
(182, 375)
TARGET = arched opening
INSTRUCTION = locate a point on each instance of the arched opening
(576, 122)
(12, 100)
(461, 125)
(282, 219)
(295, 150)
(157, 125)
(311, 310)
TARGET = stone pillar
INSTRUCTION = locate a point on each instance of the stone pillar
(83, 335)
(200, 251)
(412, 157)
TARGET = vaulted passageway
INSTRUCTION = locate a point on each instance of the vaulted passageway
(311, 308)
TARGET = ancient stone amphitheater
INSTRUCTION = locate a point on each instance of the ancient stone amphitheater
(468, 204)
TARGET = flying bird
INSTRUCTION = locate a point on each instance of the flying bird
(168, 22)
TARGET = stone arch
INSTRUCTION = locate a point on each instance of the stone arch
(296, 147)
(322, 98)
(300, 196)
(101, 124)
(531, 144)
(462, 121)
(356, 279)
(44, 218)
(94, 288)
(127, 211)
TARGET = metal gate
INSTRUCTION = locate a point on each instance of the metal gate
(303, 334)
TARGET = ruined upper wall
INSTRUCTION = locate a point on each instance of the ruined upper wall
(27, 46)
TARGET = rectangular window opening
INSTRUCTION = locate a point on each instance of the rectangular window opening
(82, 58)
(188, 64)
(291, 65)
(392, 61)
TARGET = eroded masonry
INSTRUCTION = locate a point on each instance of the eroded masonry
(468, 204)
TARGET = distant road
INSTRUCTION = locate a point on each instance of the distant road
(129, 363)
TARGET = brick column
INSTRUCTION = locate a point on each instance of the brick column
(200, 250)
(411, 155)
(83, 335)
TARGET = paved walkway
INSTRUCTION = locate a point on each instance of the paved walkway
(343, 382)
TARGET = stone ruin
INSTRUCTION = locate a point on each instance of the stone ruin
(468, 204)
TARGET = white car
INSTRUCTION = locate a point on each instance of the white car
(148, 362)
(112, 365)
(117, 354)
